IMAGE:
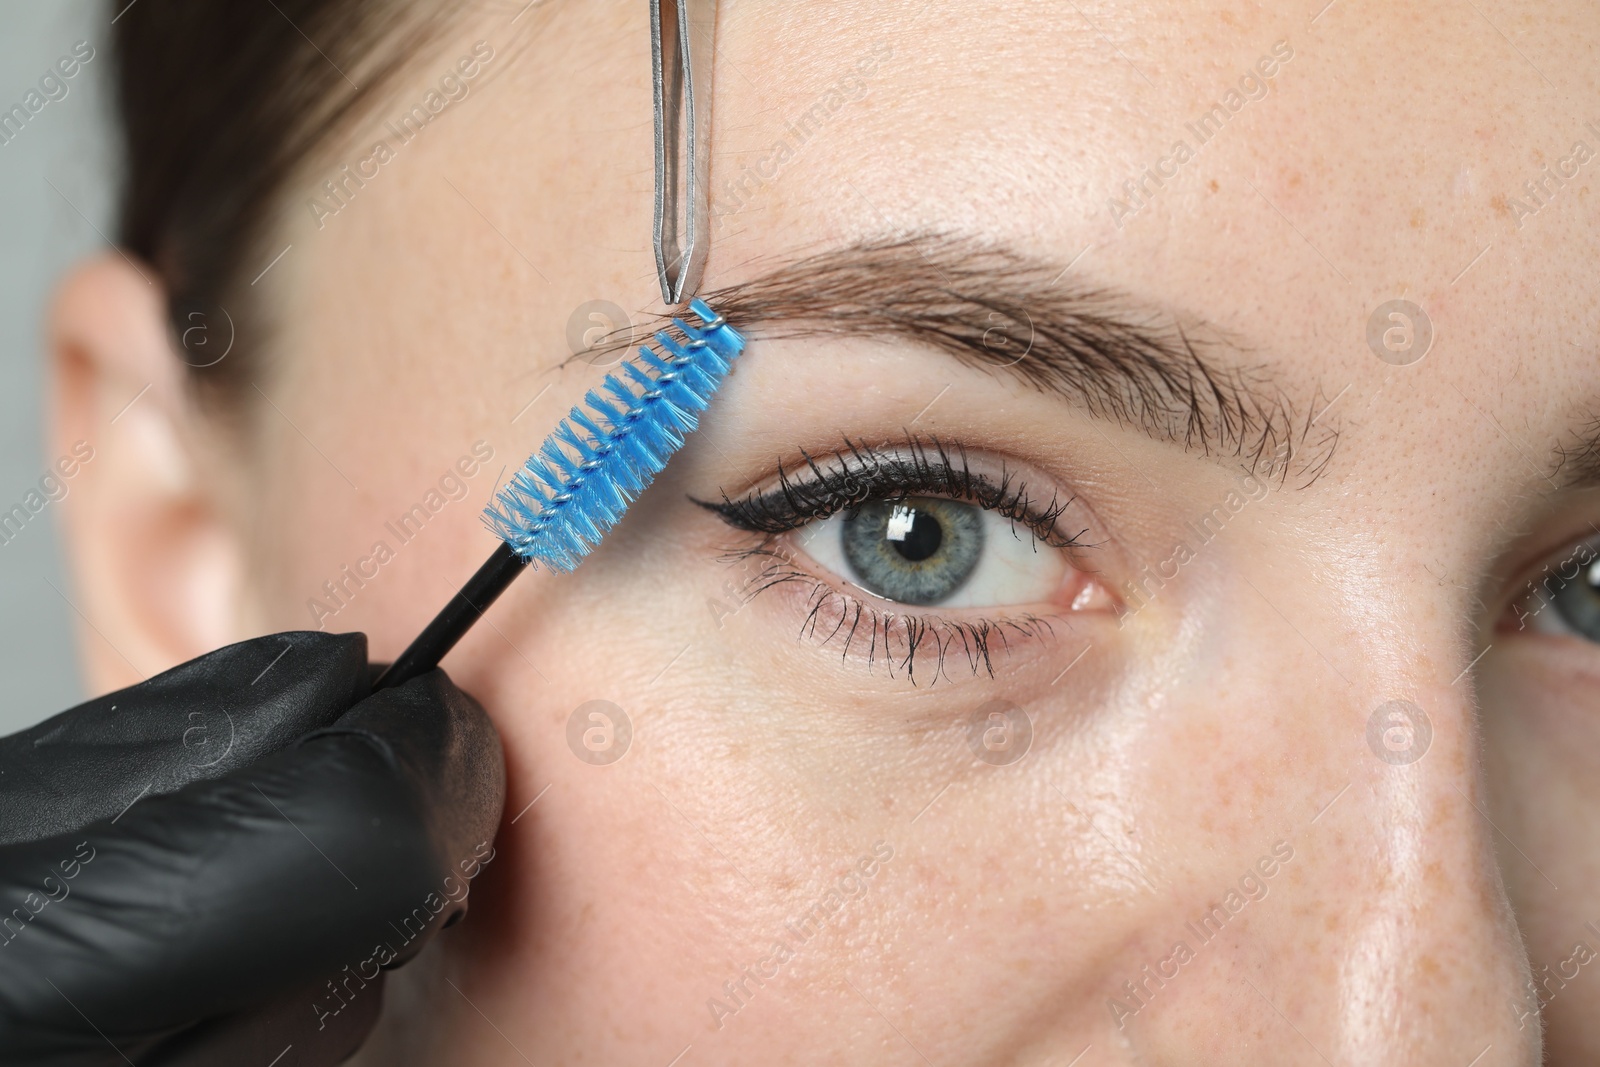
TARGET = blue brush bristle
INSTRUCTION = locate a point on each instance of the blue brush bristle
(578, 483)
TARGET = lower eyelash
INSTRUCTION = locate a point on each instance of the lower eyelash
(900, 641)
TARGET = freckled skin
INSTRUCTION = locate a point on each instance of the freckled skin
(1223, 728)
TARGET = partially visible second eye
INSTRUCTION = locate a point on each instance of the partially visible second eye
(1570, 605)
(928, 551)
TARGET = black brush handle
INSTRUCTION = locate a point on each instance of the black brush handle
(451, 624)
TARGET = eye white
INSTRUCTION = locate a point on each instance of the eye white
(1014, 567)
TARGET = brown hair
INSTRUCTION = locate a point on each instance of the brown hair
(219, 104)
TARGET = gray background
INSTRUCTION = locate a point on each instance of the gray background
(41, 234)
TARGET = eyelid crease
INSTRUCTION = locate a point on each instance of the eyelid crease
(918, 466)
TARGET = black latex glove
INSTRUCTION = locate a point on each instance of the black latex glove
(212, 866)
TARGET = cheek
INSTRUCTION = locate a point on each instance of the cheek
(751, 783)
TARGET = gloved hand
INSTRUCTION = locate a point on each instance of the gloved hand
(213, 866)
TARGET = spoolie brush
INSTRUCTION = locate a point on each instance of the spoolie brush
(578, 483)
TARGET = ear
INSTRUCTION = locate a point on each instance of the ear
(155, 569)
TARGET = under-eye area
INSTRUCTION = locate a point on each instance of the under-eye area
(916, 556)
(919, 647)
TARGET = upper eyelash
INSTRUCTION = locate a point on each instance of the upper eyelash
(920, 466)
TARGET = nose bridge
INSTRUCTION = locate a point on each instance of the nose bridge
(1433, 954)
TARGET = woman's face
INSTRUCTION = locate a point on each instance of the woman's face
(1213, 721)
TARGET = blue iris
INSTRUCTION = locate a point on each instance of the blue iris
(1577, 601)
(917, 550)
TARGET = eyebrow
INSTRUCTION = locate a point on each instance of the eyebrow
(1130, 363)
(1575, 464)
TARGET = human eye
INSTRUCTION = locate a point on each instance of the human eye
(1564, 597)
(926, 551)
(909, 547)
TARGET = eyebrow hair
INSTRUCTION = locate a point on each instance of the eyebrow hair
(990, 306)
(1575, 463)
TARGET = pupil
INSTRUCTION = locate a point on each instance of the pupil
(922, 540)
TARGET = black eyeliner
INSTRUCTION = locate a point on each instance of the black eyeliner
(860, 474)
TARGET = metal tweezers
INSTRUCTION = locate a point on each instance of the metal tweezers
(681, 37)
